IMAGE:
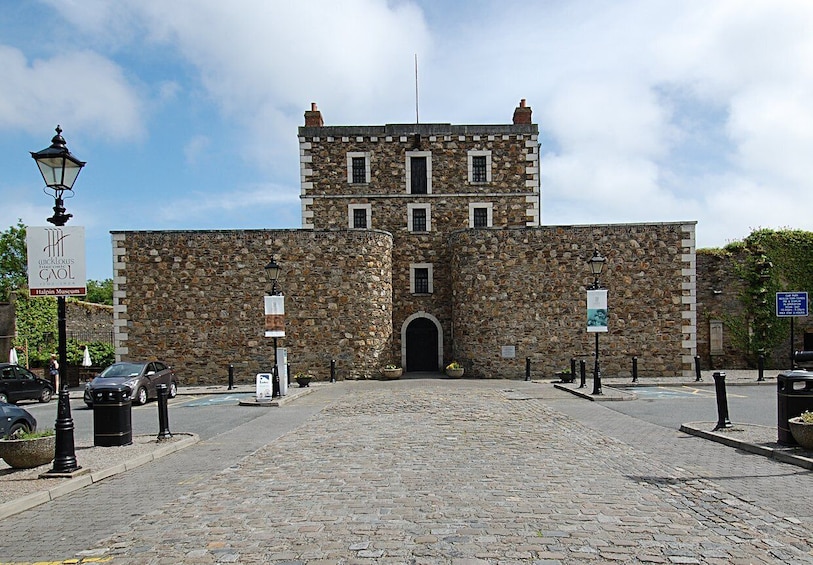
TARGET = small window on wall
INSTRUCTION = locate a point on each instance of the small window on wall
(419, 172)
(358, 167)
(419, 217)
(480, 214)
(420, 278)
(359, 216)
(479, 167)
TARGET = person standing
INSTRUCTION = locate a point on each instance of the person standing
(53, 371)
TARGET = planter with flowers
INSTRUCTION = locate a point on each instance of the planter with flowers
(801, 428)
(392, 372)
(454, 370)
(28, 449)
(303, 379)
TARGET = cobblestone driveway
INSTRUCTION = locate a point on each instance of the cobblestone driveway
(465, 472)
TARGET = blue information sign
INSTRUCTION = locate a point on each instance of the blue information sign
(791, 304)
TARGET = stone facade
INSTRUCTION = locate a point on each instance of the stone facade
(86, 321)
(421, 244)
(195, 299)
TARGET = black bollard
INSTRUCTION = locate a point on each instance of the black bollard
(761, 366)
(333, 370)
(163, 412)
(573, 367)
(635, 369)
(231, 377)
(583, 371)
(527, 368)
(275, 391)
(722, 402)
(698, 378)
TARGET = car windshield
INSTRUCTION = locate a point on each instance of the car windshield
(122, 370)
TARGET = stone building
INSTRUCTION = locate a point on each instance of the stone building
(420, 244)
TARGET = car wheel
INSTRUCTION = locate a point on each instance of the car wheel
(18, 428)
(173, 389)
(45, 395)
(3, 397)
(141, 396)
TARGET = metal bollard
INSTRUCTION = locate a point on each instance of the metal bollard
(698, 378)
(583, 375)
(231, 377)
(527, 368)
(722, 401)
(761, 366)
(635, 369)
(275, 390)
(573, 367)
(163, 412)
(333, 370)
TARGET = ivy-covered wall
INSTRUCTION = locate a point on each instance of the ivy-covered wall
(737, 287)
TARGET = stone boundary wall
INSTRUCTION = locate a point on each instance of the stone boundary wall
(526, 288)
(88, 321)
(195, 300)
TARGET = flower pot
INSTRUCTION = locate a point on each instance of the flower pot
(303, 381)
(27, 453)
(454, 373)
(802, 432)
(392, 373)
(566, 377)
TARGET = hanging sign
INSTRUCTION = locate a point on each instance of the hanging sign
(56, 261)
(597, 311)
(275, 316)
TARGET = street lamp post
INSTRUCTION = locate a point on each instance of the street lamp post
(596, 263)
(273, 270)
(59, 169)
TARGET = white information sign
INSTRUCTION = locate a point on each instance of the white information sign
(56, 261)
(597, 311)
(265, 386)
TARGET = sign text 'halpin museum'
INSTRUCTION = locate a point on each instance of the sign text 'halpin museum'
(56, 261)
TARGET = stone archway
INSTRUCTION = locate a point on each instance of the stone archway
(421, 343)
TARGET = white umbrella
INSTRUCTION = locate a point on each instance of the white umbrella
(86, 358)
(12, 356)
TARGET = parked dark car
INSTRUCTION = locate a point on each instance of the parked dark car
(18, 383)
(14, 419)
(141, 377)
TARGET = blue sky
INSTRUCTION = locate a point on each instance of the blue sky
(186, 111)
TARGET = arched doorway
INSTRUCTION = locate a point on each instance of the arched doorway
(422, 343)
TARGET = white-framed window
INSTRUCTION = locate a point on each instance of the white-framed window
(420, 278)
(419, 217)
(419, 172)
(481, 214)
(479, 166)
(359, 216)
(358, 167)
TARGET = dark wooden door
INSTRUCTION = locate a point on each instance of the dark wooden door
(421, 345)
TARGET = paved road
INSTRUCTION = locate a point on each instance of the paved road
(433, 471)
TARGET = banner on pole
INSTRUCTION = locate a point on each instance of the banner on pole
(597, 311)
(56, 261)
(275, 316)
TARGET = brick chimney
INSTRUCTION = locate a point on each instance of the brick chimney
(313, 117)
(522, 114)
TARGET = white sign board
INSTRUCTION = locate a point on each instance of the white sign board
(275, 316)
(265, 386)
(56, 261)
(597, 311)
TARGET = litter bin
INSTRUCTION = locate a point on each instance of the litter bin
(794, 395)
(112, 416)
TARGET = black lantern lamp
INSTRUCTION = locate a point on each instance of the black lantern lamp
(59, 169)
(596, 263)
(273, 269)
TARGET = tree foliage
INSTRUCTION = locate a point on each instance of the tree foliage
(13, 260)
(100, 292)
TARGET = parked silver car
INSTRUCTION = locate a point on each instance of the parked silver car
(141, 377)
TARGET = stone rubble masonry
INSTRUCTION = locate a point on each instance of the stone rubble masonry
(195, 299)
(89, 319)
(526, 288)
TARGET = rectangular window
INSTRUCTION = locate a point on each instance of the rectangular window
(359, 170)
(418, 170)
(478, 169)
(359, 218)
(480, 217)
(419, 219)
(358, 167)
(422, 280)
